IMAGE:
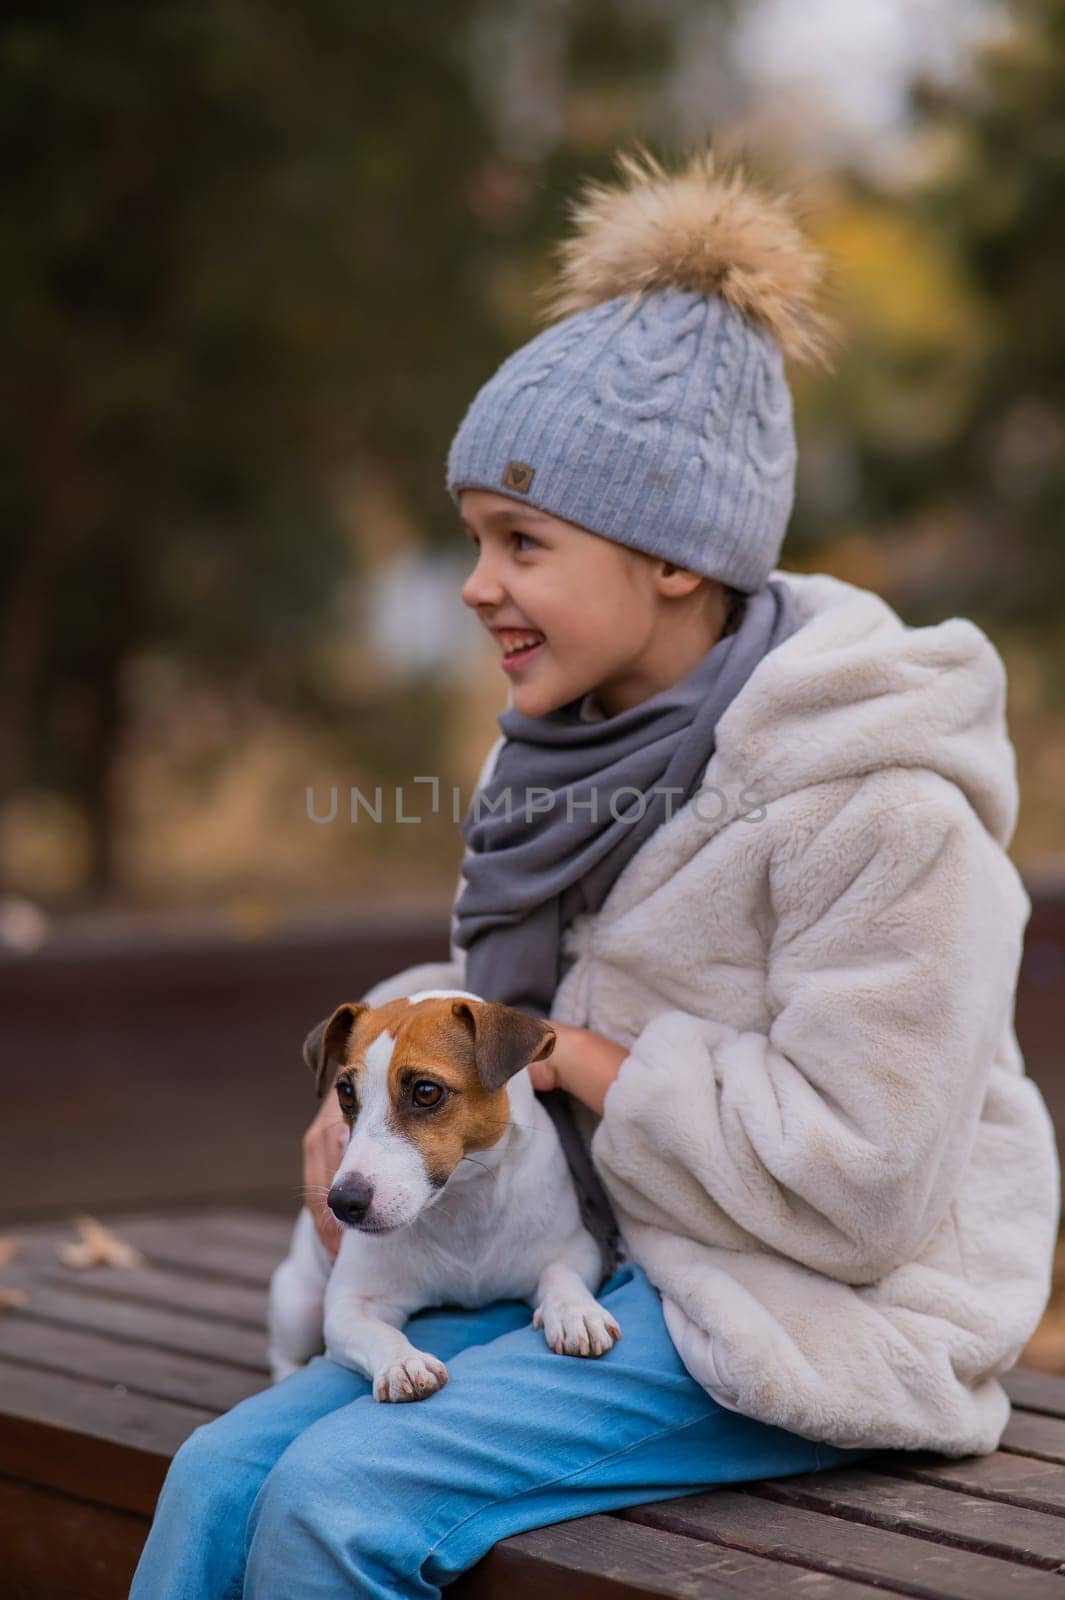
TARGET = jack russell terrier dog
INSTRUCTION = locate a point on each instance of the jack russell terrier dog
(453, 1190)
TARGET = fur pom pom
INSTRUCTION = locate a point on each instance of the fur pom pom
(700, 230)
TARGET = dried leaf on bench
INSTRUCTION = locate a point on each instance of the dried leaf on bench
(8, 1249)
(99, 1247)
(12, 1297)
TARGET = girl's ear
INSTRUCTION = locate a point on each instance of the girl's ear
(676, 581)
(504, 1039)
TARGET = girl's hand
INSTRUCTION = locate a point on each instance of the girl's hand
(583, 1061)
(544, 1074)
(323, 1146)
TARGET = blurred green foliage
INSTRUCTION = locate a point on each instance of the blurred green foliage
(244, 245)
(212, 257)
(1002, 212)
(248, 247)
(950, 402)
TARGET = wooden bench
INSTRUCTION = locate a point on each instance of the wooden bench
(106, 1370)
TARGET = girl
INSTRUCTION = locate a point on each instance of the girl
(754, 869)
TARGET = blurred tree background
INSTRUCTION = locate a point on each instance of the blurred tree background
(257, 260)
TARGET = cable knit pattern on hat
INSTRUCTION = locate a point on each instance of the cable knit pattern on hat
(660, 416)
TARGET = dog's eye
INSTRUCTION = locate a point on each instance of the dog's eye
(427, 1093)
(346, 1095)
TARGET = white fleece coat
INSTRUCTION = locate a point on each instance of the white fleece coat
(822, 1146)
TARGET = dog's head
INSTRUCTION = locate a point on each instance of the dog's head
(421, 1083)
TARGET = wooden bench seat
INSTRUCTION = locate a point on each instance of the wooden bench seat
(106, 1370)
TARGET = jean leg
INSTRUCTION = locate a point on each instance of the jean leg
(392, 1502)
(196, 1545)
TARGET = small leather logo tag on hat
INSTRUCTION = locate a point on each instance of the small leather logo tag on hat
(518, 476)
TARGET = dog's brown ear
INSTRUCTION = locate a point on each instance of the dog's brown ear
(325, 1047)
(504, 1039)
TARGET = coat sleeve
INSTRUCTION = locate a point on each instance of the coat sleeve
(834, 1137)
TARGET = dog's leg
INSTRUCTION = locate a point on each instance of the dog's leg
(295, 1320)
(297, 1296)
(574, 1322)
(359, 1334)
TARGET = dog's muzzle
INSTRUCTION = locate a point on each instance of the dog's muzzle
(350, 1199)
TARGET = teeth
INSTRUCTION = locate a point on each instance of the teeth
(513, 642)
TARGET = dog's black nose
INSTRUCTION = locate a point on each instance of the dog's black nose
(349, 1198)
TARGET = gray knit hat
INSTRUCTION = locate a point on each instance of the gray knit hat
(656, 412)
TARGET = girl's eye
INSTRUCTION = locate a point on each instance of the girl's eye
(426, 1093)
(346, 1095)
(516, 533)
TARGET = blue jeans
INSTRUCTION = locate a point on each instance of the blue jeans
(314, 1489)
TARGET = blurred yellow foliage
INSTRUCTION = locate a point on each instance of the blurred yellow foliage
(897, 283)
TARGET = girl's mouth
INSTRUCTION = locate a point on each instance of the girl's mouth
(520, 658)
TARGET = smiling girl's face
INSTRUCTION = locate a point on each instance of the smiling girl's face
(607, 618)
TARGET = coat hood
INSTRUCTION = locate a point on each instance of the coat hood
(856, 689)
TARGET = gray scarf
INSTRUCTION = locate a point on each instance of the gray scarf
(534, 870)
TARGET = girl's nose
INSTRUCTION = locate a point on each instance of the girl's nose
(482, 587)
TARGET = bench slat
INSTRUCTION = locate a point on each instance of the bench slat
(184, 1379)
(203, 1256)
(1029, 1433)
(915, 1566)
(153, 1327)
(228, 1303)
(270, 1230)
(89, 1439)
(1019, 1480)
(221, 1242)
(178, 1245)
(1035, 1391)
(607, 1558)
(1011, 1532)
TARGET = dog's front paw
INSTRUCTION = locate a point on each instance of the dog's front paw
(413, 1378)
(281, 1368)
(573, 1328)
